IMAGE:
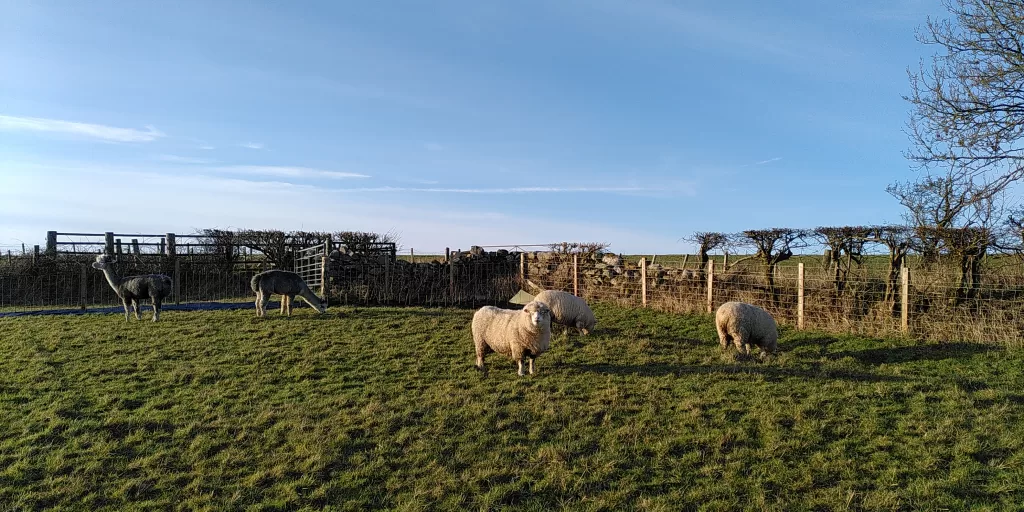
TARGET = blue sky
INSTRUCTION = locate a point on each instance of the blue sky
(453, 123)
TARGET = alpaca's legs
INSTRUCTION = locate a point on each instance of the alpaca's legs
(259, 298)
(124, 302)
(156, 309)
(135, 308)
(264, 300)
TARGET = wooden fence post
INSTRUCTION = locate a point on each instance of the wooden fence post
(522, 268)
(451, 281)
(172, 247)
(412, 255)
(904, 299)
(800, 296)
(117, 246)
(108, 242)
(643, 281)
(135, 246)
(576, 275)
(685, 258)
(177, 281)
(725, 261)
(84, 284)
(711, 286)
(323, 280)
(51, 243)
(35, 255)
(447, 254)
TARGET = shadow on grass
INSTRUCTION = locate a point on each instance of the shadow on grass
(769, 372)
(822, 343)
(914, 353)
(616, 333)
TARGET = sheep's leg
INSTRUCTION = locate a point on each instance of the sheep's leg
(135, 308)
(520, 362)
(531, 365)
(742, 345)
(259, 298)
(482, 349)
(156, 309)
(723, 337)
(124, 302)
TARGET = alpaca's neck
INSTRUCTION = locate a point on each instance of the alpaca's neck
(115, 282)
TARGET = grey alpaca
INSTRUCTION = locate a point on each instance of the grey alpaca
(287, 285)
(134, 288)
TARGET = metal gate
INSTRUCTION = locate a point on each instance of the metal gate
(309, 265)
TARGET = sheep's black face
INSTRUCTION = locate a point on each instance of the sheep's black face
(539, 313)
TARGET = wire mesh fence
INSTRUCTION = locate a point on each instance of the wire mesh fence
(70, 281)
(934, 300)
(937, 301)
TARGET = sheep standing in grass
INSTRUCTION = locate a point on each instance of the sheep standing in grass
(135, 288)
(744, 325)
(287, 285)
(569, 310)
(519, 334)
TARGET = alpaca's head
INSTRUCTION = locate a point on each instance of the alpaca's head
(103, 261)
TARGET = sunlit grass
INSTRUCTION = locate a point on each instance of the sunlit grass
(381, 408)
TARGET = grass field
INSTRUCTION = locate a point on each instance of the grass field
(381, 408)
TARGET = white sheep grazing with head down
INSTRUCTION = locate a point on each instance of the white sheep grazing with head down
(744, 325)
(569, 310)
(519, 334)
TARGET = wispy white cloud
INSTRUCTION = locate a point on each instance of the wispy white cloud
(770, 160)
(433, 146)
(287, 172)
(252, 145)
(184, 159)
(509, 190)
(96, 131)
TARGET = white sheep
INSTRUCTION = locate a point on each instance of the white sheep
(744, 325)
(569, 310)
(519, 334)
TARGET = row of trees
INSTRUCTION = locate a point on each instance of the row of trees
(845, 246)
(966, 128)
(278, 247)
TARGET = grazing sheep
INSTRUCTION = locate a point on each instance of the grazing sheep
(134, 288)
(519, 334)
(569, 310)
(746, 324)
(287, 285)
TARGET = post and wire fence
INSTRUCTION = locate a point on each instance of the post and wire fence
(919, 299)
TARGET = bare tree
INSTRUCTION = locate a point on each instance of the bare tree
(272, 243)
(773, 247)
(845, 246)
(581, 248)
(363, 242)
(707, 241)
(938, 203)
(221, 245)
(898, 239)
(966, 248)
(967, 115)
